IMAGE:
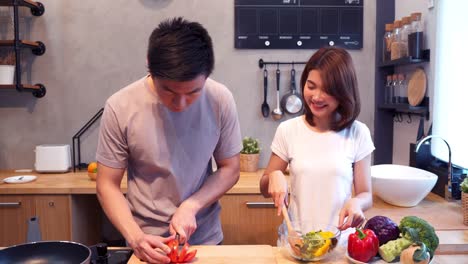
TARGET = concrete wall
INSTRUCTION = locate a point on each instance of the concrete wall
(94, 48)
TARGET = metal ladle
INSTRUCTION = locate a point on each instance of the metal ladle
(277, 113)
(265, 106)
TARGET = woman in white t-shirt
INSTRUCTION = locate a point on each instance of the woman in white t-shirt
(328, 151)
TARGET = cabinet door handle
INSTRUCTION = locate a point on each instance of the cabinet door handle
(260, 204)
(12, 204)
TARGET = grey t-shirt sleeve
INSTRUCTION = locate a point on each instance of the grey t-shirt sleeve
(230, 141)
(112, 149)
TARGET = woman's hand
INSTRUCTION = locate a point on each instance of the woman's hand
(353, 213)
(278, 188)
(183, 222)
(152, 249)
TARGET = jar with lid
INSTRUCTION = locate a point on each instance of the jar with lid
(415, 38)
(394, 88)
(403, 89)
(388, 90)
(405, 31)
(387, 42)
(395, 49)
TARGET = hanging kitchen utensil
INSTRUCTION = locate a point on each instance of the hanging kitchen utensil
(265, 106)
(292, 102)
(417, 87)
(277, 113)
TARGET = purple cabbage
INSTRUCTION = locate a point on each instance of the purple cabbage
(384, 228)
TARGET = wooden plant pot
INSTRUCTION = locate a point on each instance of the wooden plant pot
(249, 162)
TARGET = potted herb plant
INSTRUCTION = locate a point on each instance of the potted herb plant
(464, 191)
(250, 155)
(7, 65)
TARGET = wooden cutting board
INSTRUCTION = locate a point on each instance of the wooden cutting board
(230, 254)
(417, 87)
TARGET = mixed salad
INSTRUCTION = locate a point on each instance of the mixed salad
(315, 244)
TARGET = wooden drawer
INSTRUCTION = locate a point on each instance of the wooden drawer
(54, 214)
(15, 211)
(249, 219)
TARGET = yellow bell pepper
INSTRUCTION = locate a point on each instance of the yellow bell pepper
(327, 235)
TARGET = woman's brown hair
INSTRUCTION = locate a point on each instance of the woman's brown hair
(339, 80)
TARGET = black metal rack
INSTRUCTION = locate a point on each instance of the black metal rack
(426, 56)
(421, 110)
(37, 47)
(262, 63)
(76, 141)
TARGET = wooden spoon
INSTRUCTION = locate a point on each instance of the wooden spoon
(294, 243)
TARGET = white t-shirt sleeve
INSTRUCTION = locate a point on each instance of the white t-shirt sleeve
(364, 145)
(279, 146)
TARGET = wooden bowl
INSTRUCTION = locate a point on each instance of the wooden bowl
(92, 175)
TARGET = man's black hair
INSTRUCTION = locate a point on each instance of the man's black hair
(180, 50)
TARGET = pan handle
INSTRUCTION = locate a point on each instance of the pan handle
(293, 80)
(278, 74)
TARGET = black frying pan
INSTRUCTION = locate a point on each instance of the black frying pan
(47, 252)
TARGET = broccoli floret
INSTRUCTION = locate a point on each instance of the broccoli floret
(413, 229)
(420, 231)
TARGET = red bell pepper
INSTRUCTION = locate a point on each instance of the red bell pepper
(363, 245)
(182, 255)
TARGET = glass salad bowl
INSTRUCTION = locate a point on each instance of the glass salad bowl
(315, 243)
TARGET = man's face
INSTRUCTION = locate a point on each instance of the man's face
(177, 95)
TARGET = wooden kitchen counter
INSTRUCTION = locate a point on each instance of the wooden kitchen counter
(445, 216)
(79, 183)
(442, 214)
(263, 254)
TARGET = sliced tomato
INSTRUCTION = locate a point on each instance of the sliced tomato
(190, 255)
(183, 252)
(174, 246)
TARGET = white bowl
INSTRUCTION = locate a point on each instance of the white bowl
(401, 185)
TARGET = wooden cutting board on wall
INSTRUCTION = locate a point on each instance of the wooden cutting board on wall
(417, 87)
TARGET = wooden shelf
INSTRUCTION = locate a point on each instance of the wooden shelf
(37, 47)
(38, 90)
(23, 86)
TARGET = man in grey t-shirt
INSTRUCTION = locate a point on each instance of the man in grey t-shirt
(164, 129)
